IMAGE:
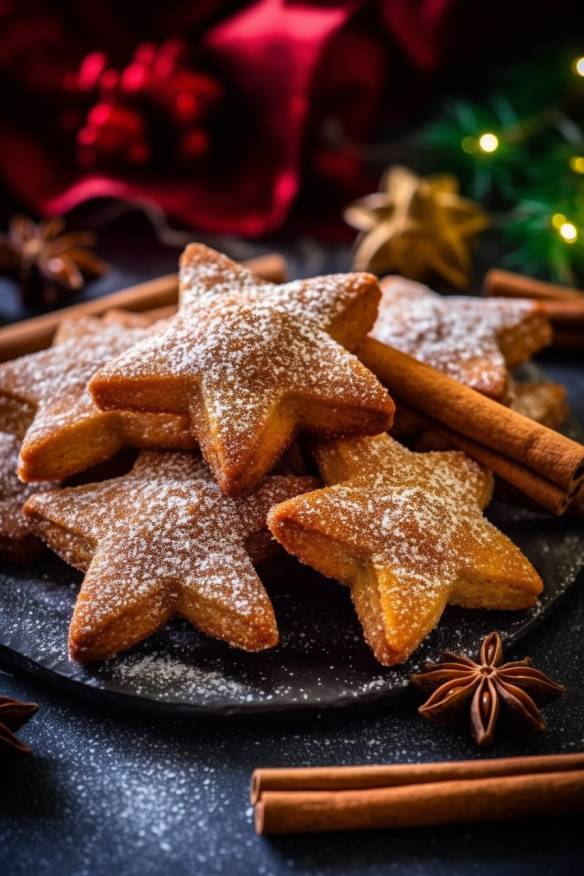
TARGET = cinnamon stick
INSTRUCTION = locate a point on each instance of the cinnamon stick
(539, 489)
(568, 315)
(492, 426)
(508, 285)
(37, 333)
(443, 802)
(347, 778)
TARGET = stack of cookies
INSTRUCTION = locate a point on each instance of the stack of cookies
(211, 400)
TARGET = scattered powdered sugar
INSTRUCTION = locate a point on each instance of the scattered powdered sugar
(456, 334)
(321, 658)
(168, 673)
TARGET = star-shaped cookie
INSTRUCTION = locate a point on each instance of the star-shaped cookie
(160, 541)
(17, 542)
(405, 531)
(473, 340)
(252, 362)
(67, 432)
(540, 400)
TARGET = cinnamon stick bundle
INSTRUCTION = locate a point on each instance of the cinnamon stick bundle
(37, 333)
(565, 315)
(361, 798)
(504, 284)
(537, 488)
(540, 462)
(563, 305)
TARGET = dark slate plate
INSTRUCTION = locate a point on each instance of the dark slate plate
(321, 661)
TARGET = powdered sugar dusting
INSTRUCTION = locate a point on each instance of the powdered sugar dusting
(416, 519)
(456, 334)
(406, 510)
(320, 299)
(166, 672)
(13, 524)
(164, 540)
(61, 373)
(244, 347)
(53, 384)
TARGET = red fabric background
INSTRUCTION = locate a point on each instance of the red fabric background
(291, 73)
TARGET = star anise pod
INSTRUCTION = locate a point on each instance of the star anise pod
(48, 262)
(514, 690)
(13, 714)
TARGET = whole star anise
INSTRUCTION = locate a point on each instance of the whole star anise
(514, 689)
(48, 262)
(13, 714)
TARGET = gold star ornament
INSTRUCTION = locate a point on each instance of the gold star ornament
(416, 226)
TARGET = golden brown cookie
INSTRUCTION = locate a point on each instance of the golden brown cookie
(17, 542)
(405, 531)
(473, 340)
(68, 433)
(251, 363)
(15, 416)
(160, 541)
(540, 400)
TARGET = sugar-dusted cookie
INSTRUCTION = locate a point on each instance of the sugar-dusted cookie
(406, 532)
(68, 433)
(474, 340)
(160, 541)
(252, 362)
(17, 542)
(15, 416)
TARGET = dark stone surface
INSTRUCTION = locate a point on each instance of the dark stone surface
(107, 793)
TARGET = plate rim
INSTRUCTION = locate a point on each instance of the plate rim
(128, 703)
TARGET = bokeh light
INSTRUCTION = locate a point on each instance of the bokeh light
(489, 142)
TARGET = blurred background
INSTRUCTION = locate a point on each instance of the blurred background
(429, 137)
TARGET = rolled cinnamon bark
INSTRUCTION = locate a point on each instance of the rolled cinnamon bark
(568, 315)
(508, 285)
(497, 428)
(347, 778)
(449, 802)
(539, 489)
(37, 333)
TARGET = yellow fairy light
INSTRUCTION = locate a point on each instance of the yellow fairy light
(577, 163)
(489, 142)
(566, 229)
(469, 145)
(568, 232)
(578, 66)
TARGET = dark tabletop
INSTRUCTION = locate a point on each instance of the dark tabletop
(107, 793)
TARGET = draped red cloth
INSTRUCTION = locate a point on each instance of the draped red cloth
(303, 84)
